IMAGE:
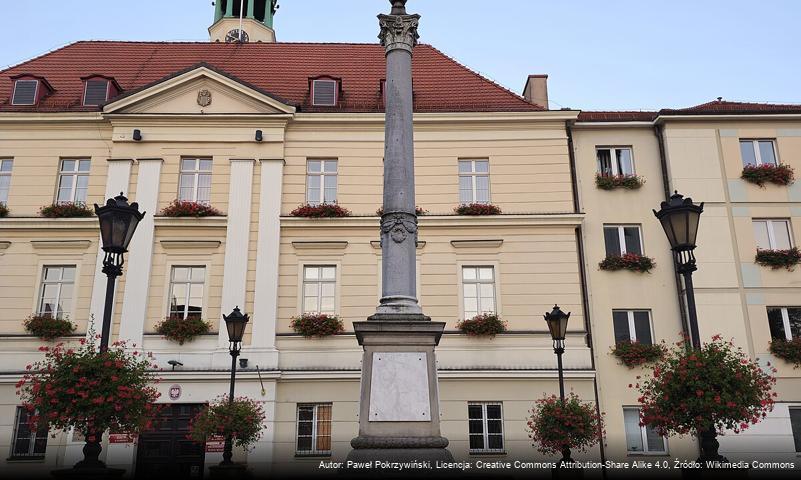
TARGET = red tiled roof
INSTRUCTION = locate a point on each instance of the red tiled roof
(282, 69)
(634, 116)
(723, 107)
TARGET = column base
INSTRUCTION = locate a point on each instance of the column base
(385, 460)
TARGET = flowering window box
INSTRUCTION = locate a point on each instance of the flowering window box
(180, 208)
(611, 182)
(322, 210)
(788, 350)
(48, 327)
(483, 325)
(418, 210)
(628, 261)
(476, 209)
(179, 329)
(317, 325)
(66, 210)
(768, 173)
(633, 354)
(777, 259)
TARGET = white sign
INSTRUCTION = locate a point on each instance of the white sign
(399, 388)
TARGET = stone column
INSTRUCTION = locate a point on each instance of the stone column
(399, 404)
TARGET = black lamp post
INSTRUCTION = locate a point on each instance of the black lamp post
(680, 217)
(235, 323)
(557, 325)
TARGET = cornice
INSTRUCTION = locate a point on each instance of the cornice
(38, 223)
(434, 221)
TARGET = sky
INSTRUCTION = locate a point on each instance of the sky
(599, 55)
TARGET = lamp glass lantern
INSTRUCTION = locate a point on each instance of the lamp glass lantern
(557, 323)
(118, 222)
(235, 323)
(679, 217)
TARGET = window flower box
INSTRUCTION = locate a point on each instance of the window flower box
(628, 261)
(3, 210)
(776, 259)
(483, 325)
(788, 350)
(322, 210)
(420, 211)
(180, 208)
(317, 325)
(476, 209)
(47, 327)
(768, 173)
(611, 182)
(66, 210)
(176, 328)
(633, 354)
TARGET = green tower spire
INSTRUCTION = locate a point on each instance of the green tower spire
(262, 11)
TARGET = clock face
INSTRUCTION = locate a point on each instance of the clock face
(233, 36)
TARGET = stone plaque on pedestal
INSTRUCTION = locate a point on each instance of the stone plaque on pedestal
(399, 387)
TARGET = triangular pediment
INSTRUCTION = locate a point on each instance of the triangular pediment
(200, 90)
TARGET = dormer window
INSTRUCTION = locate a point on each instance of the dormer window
(325, 92)
(98, 89)
(26, 92)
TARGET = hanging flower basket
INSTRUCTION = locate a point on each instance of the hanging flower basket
(611, 182)
(323, 210)
(483, 325)
(242, 419)
(3, 210)
(418, 210)
(317, 325)
(179, 208)
(181, 330)
(788, 350)
(476, 209)
(48, 327)
(768, 173)
(633, 354)
(777, 259)
(66, 210)
(716, 387)
(90, 391)
(629, 261)
(575, 424)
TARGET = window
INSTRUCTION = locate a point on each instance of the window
(321, 181)
(633, 325)
(485, 423)
(324, 93)
(795, 423)
(622, 239)
(784, 322)
(474, 181)
(319, 289)
(27, 443)
(186, 291)
(194, 184)
(95, 92)
(478, 284)
(5, 179)
(314, 429)
(615, 161)
(55, 297)
(25, 92)
(758, 152)
(772, 234)
(73, 180)
(641, 439)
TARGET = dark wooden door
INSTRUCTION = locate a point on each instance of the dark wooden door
(165, 452)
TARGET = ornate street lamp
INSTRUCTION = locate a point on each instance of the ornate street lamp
(557, 325)
(235, 323)
(118, 222)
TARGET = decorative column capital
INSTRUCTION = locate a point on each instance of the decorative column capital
(398, 32)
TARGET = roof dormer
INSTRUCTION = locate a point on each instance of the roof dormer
(325, 91)
(99, 89)
(29, 89)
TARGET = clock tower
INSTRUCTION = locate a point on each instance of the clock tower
(243, 21)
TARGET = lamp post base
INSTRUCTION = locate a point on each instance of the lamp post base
(229, 471)
(88, 473)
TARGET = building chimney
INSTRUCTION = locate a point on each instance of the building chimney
(536, 90)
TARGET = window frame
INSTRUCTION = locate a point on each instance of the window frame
(485, 430)
(632, 327)
(32, 438)
(195, 173)
(322, 174)
(473, 174)
(188, 283)
(613, 159)
(772, 231)
(43, 283)
(74, 174)
(621, 235)
(320, 281)
(35, 93)
(86, 89)
(314, 94)
(788, 331)
(757, 154)
(314, 435)
(478, 281)
(643, 437)
(3, 174)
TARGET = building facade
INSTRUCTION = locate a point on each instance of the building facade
(257, 128)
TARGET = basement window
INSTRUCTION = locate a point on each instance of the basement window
(95, 92)
(25, 92)
(325, 93)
